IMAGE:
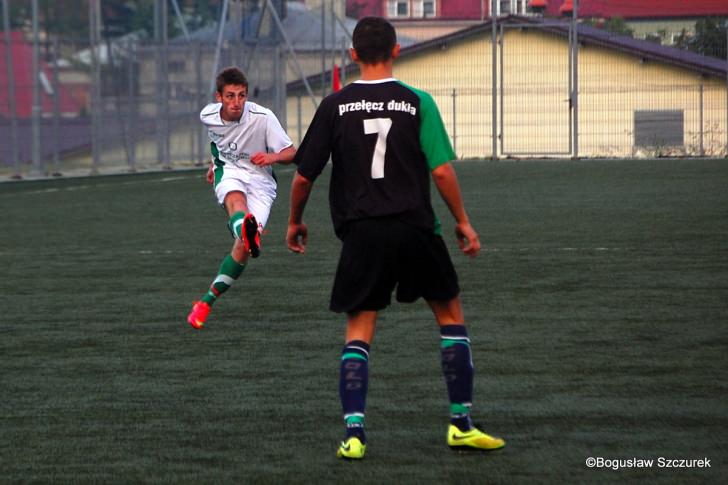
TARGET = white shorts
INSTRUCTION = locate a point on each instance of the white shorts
(259, 190)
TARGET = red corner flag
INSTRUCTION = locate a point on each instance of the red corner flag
(335, 79)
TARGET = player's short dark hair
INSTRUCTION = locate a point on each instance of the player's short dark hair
(373, 39)
(230, 75)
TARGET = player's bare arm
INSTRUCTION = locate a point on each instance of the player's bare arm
(446, 182)
(297, 234)
(284, 157)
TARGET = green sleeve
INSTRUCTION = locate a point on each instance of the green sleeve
(434, 140)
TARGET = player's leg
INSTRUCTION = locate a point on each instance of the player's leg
(426, 271)
(456, 359)
(232, 265)
(243, 223)
(363, 285)
(457, 367)
(354, 381)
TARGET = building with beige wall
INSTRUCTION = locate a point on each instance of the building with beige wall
(635, 98)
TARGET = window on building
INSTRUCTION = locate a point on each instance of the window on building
(428, 8)
(506, 7)
(415, 9)
(658, 128)
(397, 8)
(419, 8)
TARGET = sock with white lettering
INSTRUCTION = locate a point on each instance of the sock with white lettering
(457, 366)
(353, 383)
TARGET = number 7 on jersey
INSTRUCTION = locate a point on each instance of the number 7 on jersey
(381, 127)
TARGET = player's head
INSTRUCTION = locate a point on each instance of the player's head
(230, 75)
(232, 91)
(374, 40)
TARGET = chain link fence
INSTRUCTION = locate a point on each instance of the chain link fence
(521, 89)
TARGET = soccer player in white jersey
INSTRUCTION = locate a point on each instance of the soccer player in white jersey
(246, 139)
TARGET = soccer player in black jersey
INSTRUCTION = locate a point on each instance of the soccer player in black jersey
(386, 140)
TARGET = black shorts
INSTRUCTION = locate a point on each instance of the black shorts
(379, 254)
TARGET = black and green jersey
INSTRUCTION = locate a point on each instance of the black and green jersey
(384, 139)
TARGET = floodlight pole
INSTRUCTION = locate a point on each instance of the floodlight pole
(11, 89)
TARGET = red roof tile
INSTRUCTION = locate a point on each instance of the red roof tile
(643, 8)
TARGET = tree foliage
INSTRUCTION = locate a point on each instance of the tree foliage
(70, 18)
(710, 37)
(616, 25)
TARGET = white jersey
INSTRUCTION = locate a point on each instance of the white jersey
(233, 142)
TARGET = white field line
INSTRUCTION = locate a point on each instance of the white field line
(89, 186)
(273, 249)
(547, 249)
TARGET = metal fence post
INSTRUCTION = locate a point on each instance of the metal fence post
(502, 87)
(56, 110)
(702, 107)
(193, 96)
(344, 62)
(333, 39)
(202, 99)
(36, 108)
(298, 118)
(454, 122)
(14, 146)
(283, 82)
(132, 107)
(94, 24)
(162, 84)
(575, 75)
(494, 79)
(323, 49)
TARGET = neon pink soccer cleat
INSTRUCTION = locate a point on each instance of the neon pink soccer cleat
(198, 315)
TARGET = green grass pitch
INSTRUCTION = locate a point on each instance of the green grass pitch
(598, 311)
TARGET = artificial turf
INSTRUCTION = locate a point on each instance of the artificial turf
(598, 313)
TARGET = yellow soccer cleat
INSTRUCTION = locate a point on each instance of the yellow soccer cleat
(472, 439)
(351, 449)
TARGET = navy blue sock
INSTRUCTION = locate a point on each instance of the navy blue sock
(457, 366)
(353, 383)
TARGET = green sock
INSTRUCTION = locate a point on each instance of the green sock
(236, 224)
(228, 273)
